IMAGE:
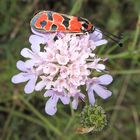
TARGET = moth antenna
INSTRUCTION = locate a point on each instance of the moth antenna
(115, 36)
(111, 36)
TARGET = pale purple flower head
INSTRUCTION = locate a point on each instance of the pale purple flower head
(62, 63)
(97, 85)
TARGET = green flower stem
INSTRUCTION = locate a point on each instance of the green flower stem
(128, 54)
(76, 6)
(39, 115)
(72, 118)
(21, 115)
(136, 34)
(126, 72)
(7, 122)
(72, 111)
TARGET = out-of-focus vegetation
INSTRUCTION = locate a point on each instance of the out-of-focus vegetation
(22, 116)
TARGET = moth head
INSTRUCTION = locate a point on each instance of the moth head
(86, 25)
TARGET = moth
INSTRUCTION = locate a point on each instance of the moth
(49, 21)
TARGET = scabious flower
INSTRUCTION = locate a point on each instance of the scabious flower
(61, 63)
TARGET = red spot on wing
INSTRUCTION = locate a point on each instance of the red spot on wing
(57, 18)
(61, 28)
(75, 25)
(48, 26)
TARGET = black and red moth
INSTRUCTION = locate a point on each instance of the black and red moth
(49, 21)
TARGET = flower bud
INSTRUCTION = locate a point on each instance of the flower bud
(92, 119)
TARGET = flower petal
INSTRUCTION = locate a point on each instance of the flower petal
(21, 65)
(35, 48)
(30, 86)
(82, 96)
(105, 79)
(51, 105)
(100, 67)
(65, 99)
(36, 39)
(91, 96)
(19, 78)
(101, 42)
(75, 103)
(102, 91)
(27, 53)
(96, 35)
(62, 60)
(29, 63)
(40, 85)
(49, 93)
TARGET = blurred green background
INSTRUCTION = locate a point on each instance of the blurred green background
(22, 116)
